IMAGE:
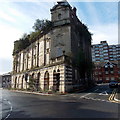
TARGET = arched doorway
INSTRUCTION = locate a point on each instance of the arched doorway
(15, 85)
(38, 82)
(46, 81)
(33, 75)
(56, 80)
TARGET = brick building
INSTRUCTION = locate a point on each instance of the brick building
(6, 80)
(106, 58)
(52, 60)
(106, 72)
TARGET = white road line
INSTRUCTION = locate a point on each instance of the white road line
(9, 110)
(7, 116)
(88, 94)
(90, 98)
(85, 95)
(103, 93)
(96, 90)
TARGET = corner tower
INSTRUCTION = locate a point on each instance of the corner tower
(61, 33)
(60, 13)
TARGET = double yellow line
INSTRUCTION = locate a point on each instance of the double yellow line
(112, 96)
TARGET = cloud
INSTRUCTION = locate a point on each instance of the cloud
(5, 65)
(92, 11)
(103, 32)
(59, 0)
(5, 16)
(8, 36)
(18, 17)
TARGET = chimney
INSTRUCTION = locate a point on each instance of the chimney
(74, 10)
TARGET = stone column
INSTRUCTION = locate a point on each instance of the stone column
(62, 79)
(38, 54)
(19, 62)
(50, 79)
(26, 60)
(42, 80)
(32, 57)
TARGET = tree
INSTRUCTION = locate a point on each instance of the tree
(21, 44)
(42, 25)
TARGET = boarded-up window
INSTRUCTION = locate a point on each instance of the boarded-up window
(58, 51)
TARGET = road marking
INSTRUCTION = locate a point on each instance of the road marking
(90, 98)
(112, 96)
(9, 110)
(103, 93)
(96, 90)
(85, 95)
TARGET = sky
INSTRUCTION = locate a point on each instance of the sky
(18, 16)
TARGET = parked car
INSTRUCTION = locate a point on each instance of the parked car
(113, 84)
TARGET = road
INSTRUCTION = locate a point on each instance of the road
(93, 103)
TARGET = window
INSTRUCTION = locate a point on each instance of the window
(47, 50)
(112, 78)
(97, 55)
(110, 50)
(106, 66)
(75, 74)
(105, 57)
(99, 73)
(105, 54)
(106, 72)
(59, 16)
(96, 48)
(96, 73)
(105, 50)
(114, 53)
(105, 47)
(111, 58)
(106, 60)
(96, 51)
(111, 72)
(111, 55)
(59, 51)
(111, 66)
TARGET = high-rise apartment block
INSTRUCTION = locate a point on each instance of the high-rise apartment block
(104, 53)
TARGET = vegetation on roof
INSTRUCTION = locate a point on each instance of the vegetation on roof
(40, 27)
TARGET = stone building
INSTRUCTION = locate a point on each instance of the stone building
(6, 80)
(53, 59)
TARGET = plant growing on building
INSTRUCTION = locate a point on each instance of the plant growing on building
(40, 26)
(85, 66)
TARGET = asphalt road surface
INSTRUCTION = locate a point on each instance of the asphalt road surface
(93, 103)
